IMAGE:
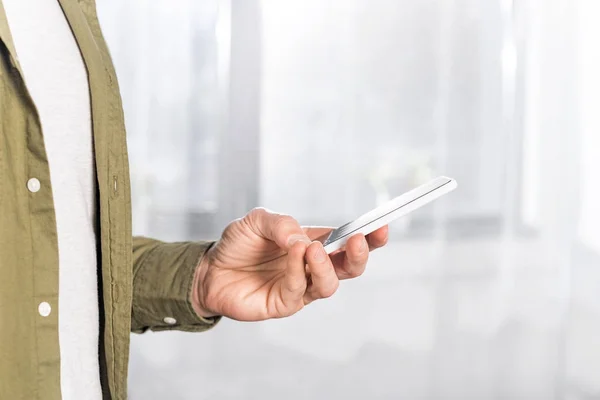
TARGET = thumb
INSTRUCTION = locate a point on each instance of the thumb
(282, 229)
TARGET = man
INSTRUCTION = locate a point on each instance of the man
(73, 283)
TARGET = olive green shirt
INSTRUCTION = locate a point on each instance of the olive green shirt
(145, 283)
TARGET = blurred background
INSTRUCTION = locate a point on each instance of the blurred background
(325, 109)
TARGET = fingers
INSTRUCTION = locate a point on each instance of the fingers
(324, 281)
(378, 238)
(294, 282)
(352, 262)
(282, 229)
(326, 271)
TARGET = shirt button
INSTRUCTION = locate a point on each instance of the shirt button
(170, 320)
(33, 185)
(44, 309)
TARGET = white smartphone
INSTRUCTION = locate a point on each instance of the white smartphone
(386, 213)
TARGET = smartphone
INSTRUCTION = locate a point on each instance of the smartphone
(386, 213)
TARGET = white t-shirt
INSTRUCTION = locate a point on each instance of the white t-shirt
(56, 78)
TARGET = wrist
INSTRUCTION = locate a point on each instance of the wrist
(198, 296)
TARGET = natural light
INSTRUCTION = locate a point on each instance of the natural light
(589, 84)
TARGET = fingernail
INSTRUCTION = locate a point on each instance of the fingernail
(298, 238)
(363, 246)
(320, 255)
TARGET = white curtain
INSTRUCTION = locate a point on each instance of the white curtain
(323, 109)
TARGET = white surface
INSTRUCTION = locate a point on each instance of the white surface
(57, 80)
(589, 87)
(362, 100)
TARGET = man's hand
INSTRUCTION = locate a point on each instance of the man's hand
(267, 266)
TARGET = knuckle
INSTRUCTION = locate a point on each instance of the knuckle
(355, 267)
(356, 271)
(384, 241)
(329, 290)
(297, 286)
(257, 212)
(282, 221)
(361, 259)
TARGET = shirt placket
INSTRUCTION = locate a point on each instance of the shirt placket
(44, 256)
(42, 237)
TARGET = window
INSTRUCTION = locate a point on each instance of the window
(173, 71)
(589, 86)
(363, 100)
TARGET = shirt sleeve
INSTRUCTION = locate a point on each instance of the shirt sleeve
(162, 286)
